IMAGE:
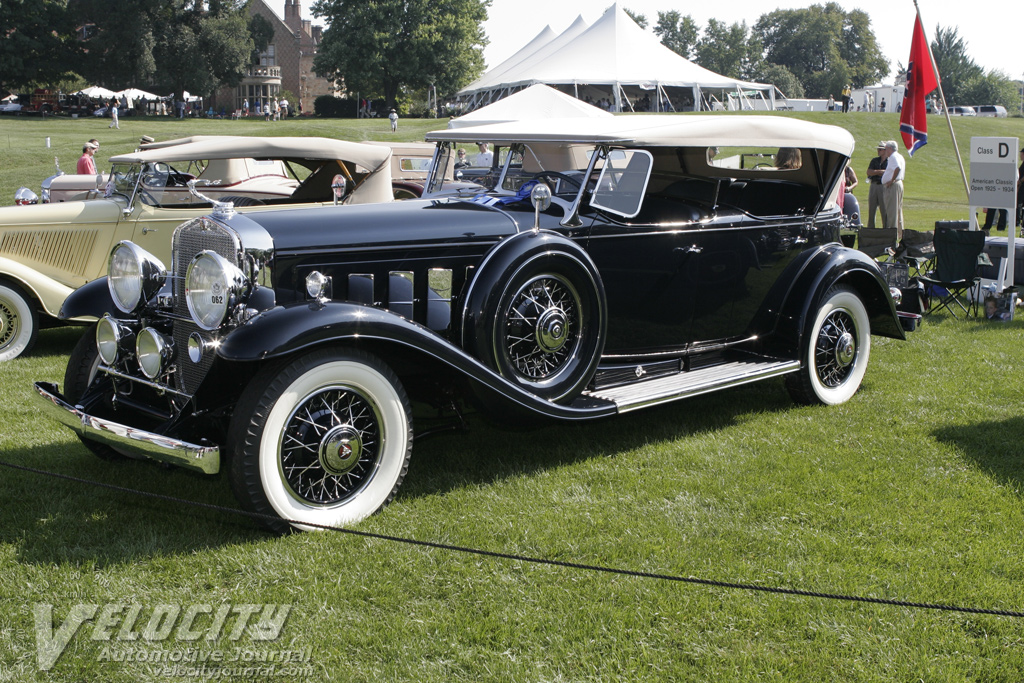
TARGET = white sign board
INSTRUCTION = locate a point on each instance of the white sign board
(994, 186)
(994, 173)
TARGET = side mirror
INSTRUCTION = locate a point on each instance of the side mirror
(540, 197)
(338, 185)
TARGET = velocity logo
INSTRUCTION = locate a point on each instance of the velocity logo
(133, 623)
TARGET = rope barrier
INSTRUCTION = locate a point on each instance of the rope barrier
(532, 560)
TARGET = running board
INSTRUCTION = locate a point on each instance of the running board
(685, 384)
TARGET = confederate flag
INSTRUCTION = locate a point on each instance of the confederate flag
(920, 82)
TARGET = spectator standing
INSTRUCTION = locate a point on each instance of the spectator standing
(113, 115)
(876, 199)
(892, 181)
(882, 108)
(393, 118)
(847, 95)
(245, 107)
(484, 157)
(86, 163)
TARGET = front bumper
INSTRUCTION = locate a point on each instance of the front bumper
(204, 459)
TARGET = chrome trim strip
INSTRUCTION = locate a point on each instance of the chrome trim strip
(685, 384)
(204, 459)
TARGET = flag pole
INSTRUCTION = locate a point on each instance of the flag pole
(945, 109)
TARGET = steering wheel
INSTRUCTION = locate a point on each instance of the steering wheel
(560, 176)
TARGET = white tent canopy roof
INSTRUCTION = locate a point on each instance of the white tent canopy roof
(614, 50)
(135, 93)
(539, 41)
(536, 102)
(96, 91)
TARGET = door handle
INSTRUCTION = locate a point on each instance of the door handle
(692, 249)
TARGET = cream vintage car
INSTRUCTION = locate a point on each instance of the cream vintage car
(49, 250)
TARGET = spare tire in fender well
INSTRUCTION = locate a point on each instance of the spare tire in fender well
(536, 313)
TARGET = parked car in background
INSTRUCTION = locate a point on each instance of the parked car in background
(611, 265)
(996, 110)
(48, 250)
(962, 111)
(11, 107)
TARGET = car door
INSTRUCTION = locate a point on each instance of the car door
(738, 265)
(642, 253)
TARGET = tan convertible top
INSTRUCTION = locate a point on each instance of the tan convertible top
(371, 157)
(375, 187)
(662, 130)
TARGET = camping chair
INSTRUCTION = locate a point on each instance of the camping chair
(956, 271)
(876, 241)
(917, 250)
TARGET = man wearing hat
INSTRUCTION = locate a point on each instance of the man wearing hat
(86, 165)
(892, 182)
(876, 167)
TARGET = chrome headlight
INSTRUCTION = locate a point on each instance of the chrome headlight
(154, 352)
(212, 286)
(110, 335)
(134, 276)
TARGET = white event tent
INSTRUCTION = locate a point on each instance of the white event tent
(535, 102)
(615, 60)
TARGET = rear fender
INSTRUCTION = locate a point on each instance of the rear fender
(823, 269)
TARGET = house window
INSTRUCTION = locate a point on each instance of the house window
(267, 58)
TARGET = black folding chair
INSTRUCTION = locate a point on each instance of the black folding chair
(876, 242)
(956, 271)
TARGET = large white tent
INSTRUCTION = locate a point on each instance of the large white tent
(97, 92)
(536, 102)
(616, 60)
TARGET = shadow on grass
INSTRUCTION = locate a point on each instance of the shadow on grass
(488, 453)
(57, 341)
(997, 447)
(58, 520)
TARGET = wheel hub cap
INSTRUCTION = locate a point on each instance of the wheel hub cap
(846, 349)
(340, 450)
(552, 330)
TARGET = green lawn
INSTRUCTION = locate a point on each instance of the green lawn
(913, 490)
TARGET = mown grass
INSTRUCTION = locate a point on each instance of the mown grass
(913, 490)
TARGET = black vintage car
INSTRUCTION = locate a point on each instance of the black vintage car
(609, 265)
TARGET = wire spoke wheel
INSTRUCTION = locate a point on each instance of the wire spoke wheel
(835, 352)
(330, 447)
(836, 348)
(542, 328)
(321, 439)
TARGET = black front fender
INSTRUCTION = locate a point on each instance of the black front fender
(286, 330)
(91, 299)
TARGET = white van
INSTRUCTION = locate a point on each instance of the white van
(997, 110)
(962, 111)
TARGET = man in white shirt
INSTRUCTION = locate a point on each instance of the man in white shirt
(892, 182)
(485, 157)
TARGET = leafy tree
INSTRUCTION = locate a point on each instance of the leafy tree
(640, 19)
(386, 46)
(195, 45)
(995, 87)
(729, 50)
(38, 46)
(677, 33)
(823, 46)
(262, 32)
(781, 77)
(956, 68)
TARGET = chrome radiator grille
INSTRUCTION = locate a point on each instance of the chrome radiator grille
(190, 239)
